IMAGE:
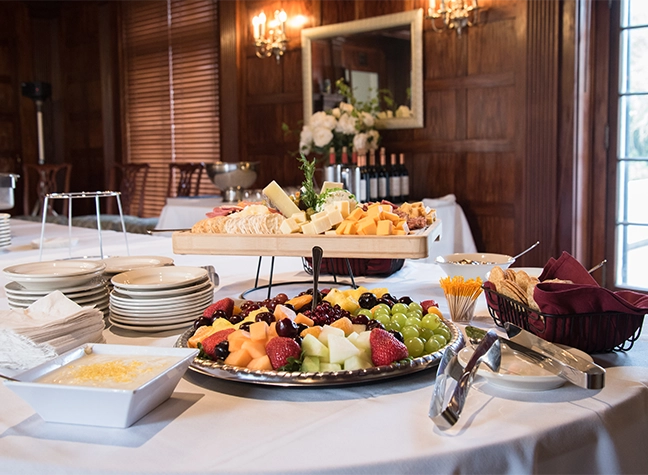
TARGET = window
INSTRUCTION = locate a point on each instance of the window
(632, 157)
(171, 86)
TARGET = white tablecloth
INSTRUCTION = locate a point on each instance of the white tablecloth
(215, 426)
(184, 212)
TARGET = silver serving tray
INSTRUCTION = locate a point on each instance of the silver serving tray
(297, 378)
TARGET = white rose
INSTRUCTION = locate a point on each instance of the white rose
(346, 107)
(304, 148)
(403, 111)
(360, 143)
(381, 115)
(368, 119)
(336, 112)
(322, 119)
(346, 125)
(306, 135)
(372, 138)
(322, 136)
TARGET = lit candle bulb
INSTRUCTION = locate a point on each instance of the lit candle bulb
(262, 21)
(256, 23)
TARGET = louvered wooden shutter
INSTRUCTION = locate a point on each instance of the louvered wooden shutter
(171, 105)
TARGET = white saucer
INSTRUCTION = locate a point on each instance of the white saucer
(152, 328)
(94, 285)
(143, 322)
(158, 278)
(189, 298)
(196, 309)
(518, 373)
(119, 264)
(52, 275)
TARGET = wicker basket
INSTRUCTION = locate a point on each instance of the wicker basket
(589, 332)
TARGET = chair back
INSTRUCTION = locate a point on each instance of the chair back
(130, 180)
(39, 180)
(184, 179)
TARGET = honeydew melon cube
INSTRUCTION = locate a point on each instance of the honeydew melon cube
(328, 330)
(362, 341)
(359, 328)
(311, 346)
(330, 367)
(352, 337)
(341, 349)
(357, 362)
(311, 364)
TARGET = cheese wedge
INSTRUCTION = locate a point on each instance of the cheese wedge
(280, 199)
(328, 185)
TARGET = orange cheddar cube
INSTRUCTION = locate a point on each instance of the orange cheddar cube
(356, 214)
(367, 226)
(393, 217)
(384, 227)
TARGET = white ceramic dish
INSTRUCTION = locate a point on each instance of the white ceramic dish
(54, 274)
(163, 309)
(451, 266)
(14, 288)
(148, 322)
(99, 406)
(163, 293)
(155, 278)
(518, 373)
(191, 312)
(151, 328)
(118, 264)
(117, 298)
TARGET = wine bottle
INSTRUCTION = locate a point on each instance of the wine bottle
(383, 178)
(404, 179)
(345, 171)
(373, 177)
(355, 174)
(364, 182)
(333, 169)
(394, 181)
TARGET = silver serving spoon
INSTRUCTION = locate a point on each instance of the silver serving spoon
(526, 250)
(9, 378)
(317, 263)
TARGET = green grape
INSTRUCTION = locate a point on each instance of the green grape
(384, 306)
(414, 314)
(426, 333)
(441, 339)
(382, 318)
(400, 318)
(409, 331)
(365, 311)
(399, 308)
(431, 321)
(416, 306)
(432, 345)
(392, 325)
(444, 332)
(414, 322)
(415, 346)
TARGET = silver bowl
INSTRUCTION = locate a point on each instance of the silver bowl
(232, 175)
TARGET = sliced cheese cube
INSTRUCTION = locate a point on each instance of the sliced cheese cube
(335, 217)
(384, 227)
(367, 226)
(328, 185)
(321, 224)
(393, 217)
(280, 199)
(375, 211)
(344, 207)
(308, 228)
(342, 226)
(351, 229)
(330, 232)
(299, 217)
(289, 226)
(319, 215)
(356, 214)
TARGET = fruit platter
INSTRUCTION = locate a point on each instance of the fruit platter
(348, 337)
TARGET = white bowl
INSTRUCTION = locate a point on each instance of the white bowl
(474, 264)
(100, 405)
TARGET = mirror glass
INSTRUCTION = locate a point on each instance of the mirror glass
(377, 58)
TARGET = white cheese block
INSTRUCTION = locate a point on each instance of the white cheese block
(300, 217)
(327, 185)
(280, 199)
(343, 206)
(335, 217)
(290, 226)
(319, 215)
(321, 224)
(308, 228)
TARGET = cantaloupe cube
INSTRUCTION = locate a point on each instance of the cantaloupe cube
(314, 330)
(259, 331)
(236, 339)
(344, 324)
(238, 358)
(262, 363)
(301, 318)
(272, 331)
(384, 227)
(281, 312)
(255, 348)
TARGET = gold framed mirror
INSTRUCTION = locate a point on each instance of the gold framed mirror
(383, 53)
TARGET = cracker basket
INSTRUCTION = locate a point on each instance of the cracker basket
(589, 332)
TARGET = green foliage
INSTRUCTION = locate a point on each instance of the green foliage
(309, 195)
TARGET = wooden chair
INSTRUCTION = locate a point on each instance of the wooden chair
(130, 180)
(184, 175)
(41, 180)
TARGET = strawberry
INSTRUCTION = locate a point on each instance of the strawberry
(280, 349)
(385, 348)
(226, 305)
(427, 304)
(209, 344)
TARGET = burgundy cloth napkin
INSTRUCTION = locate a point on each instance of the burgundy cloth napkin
(584, 295)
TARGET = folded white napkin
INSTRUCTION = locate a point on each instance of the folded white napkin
(54, 320)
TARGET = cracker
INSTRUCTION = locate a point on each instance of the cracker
(522, 279)
(512, 290)
(509, 274)
(529, 294)
(496, 275)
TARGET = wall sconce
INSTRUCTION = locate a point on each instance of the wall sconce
(456, 14)
(275, 42)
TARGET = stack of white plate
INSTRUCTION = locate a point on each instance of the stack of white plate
(5, 232)
(159, 298)
(118, 264)
(79, 280)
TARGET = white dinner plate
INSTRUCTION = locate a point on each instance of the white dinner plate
(147, 322)
(94, 285)
(152, 328)
(189, 298)
(54, 274)
(155, 278)
(119, 264)
(162, 293)
(162, 312)
(518, 373)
